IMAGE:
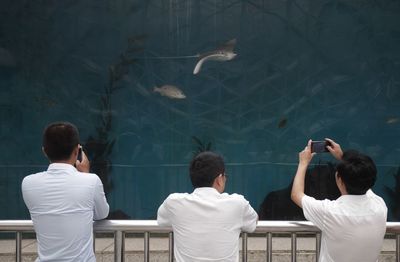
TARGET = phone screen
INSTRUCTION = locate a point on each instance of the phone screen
(319, 146)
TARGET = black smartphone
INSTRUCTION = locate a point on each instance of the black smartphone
(80, 154)
(319, 146)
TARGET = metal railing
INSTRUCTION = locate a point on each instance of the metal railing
(120, 227)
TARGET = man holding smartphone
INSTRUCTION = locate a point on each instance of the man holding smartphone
(354, 225)
(64, 200)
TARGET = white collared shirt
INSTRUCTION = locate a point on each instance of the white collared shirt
(207, 224)
(63, 203)
(353, 226)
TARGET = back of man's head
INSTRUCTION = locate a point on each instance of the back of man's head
(204, 168)
(59, 140)
(357, 171)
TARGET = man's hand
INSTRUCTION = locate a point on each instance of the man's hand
(335, 149)
(305, 156)
(84, 165)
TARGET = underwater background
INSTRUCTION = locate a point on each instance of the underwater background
(304, 69)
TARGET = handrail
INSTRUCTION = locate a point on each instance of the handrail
(120, 227)
(133, 226)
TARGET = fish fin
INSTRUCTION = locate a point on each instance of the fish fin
(198, 66)
(228, 46)
(156, 89)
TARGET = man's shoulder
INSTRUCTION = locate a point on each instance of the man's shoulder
(32, 177)
(177, 196)
(235, 197)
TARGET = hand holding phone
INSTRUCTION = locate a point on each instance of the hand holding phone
(80, 154)
(82, 162)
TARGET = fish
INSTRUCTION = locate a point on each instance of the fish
(223, 53)
(393, 120)
(170, 91)
(282, 123)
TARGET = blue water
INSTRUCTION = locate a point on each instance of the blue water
(304, 69)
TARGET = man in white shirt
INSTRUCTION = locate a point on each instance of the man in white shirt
(354, 225)
(64, 200)
(207, 223)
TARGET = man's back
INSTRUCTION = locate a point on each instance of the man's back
(353, 226)
(207, 224)
(63, 203)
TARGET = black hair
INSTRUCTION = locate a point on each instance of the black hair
(205, 167)
(59, 140)
(357, 171)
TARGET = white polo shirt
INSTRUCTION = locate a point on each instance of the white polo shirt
(207, 224)
(63, 203)
(353, 226)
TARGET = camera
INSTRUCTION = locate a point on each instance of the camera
(319, 146)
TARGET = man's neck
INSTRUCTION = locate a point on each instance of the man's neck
(68, 161)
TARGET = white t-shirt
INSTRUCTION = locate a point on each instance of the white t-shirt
(353, 226)
(207, 224)
(63, 203)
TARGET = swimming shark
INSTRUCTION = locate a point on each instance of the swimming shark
(223, 53)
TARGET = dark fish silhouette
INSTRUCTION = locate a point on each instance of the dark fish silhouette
(282, 123)
(223, 53)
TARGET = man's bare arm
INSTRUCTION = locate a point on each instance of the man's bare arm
(305, 157)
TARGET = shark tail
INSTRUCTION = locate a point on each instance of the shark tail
(198, 67)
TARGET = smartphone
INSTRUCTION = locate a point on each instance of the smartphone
(80, 154)
(319, 146)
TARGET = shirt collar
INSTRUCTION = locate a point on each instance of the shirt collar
(205, 191)
(62, 166)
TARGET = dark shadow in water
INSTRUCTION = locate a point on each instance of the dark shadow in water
(319, 183)
(394, 197)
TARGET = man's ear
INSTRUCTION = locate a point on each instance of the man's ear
(44, 152)
(75, 152)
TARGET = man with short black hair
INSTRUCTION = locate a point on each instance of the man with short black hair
(207, 223)
(354, 225)
(64, 200)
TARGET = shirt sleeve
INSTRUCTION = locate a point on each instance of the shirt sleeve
(314, 210)
(163, 214)
(250, 218)
(101, 207)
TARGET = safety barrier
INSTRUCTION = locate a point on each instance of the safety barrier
(120, 227)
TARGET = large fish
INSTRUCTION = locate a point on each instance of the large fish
(170, 91)
(223, 53)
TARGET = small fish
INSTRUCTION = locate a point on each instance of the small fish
(170, 91)
(282, 123)
(224, 53)
(393, 120)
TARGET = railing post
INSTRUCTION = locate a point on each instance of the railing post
(317, 246)
(119, 246)
(398, 247)
(269, 247)
(94, 242)
(171, 247)
(146, 246)
(244, 247)
(18, 246)
(294, 247)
